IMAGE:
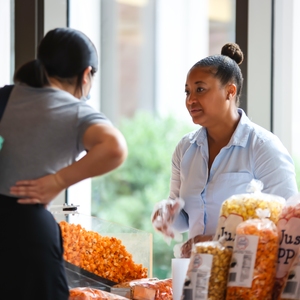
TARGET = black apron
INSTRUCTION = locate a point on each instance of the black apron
(31, 253)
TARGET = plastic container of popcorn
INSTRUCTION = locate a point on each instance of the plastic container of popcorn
(242, 207)
(99, 253)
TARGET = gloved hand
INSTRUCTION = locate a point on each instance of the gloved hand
(163, 215)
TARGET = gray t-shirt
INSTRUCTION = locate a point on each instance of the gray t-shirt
(43, 130)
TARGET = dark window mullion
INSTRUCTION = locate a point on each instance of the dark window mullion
(241, 33)
(29, 29)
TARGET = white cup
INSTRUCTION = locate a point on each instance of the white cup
(179, 270)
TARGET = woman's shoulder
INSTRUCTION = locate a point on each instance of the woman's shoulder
(22, 91)
(256, 132)
(192, 136)
(262, 135)
(262, 140)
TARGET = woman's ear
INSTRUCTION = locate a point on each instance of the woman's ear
(86, 75)
(231, 90)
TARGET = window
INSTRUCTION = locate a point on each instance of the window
(146, 48)
(286, 75)
(6, 46)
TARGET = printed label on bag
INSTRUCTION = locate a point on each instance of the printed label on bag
(289, 243)
(292, 286)
(243, 261)
(199, 273)
(227, 227)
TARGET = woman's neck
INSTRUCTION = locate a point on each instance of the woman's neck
(223, 131)
(65, 86)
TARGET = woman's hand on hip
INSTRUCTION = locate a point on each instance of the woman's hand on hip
(38, 191)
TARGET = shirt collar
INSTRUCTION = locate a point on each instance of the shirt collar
(239, 137)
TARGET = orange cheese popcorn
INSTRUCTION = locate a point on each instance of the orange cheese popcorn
(265, 262)
(140, 288)
(87, 293)
(104, 256)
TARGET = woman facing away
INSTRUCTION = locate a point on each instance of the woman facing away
(222, 157)
(45, 126)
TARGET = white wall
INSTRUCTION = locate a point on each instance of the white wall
(286, 74)
(295, 77)
(85, 16)
(55, 14)
(182, 40)
(259, 62)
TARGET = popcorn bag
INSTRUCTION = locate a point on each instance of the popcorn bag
(146, 289)
(289, 242)
(292, 286)
(253, 263)
(87, 293)
(207, 272)
(239, 208)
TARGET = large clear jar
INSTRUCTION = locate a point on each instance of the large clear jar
(99, 253)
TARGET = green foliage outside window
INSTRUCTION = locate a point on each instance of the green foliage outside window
(128, 194)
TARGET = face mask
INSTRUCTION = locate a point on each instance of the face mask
(85, 98)
(88, 96)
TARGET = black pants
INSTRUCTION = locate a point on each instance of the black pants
(31, 253)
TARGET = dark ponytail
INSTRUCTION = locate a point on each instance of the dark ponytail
(32, 73)
(64, 53)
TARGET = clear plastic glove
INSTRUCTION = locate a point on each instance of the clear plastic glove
(163, 215)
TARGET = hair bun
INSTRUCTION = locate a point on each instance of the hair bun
(233, 51)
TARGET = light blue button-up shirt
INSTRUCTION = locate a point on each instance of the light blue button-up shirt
(252, 153)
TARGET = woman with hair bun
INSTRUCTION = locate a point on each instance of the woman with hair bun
(220, 158)
(45, 126)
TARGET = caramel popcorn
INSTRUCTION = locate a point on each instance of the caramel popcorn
(86, 293)
(265, 261)
(140, 288)
(104, 256)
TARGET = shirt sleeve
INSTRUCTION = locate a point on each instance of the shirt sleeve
(274, 166)
(86, 117)
(181, 222)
